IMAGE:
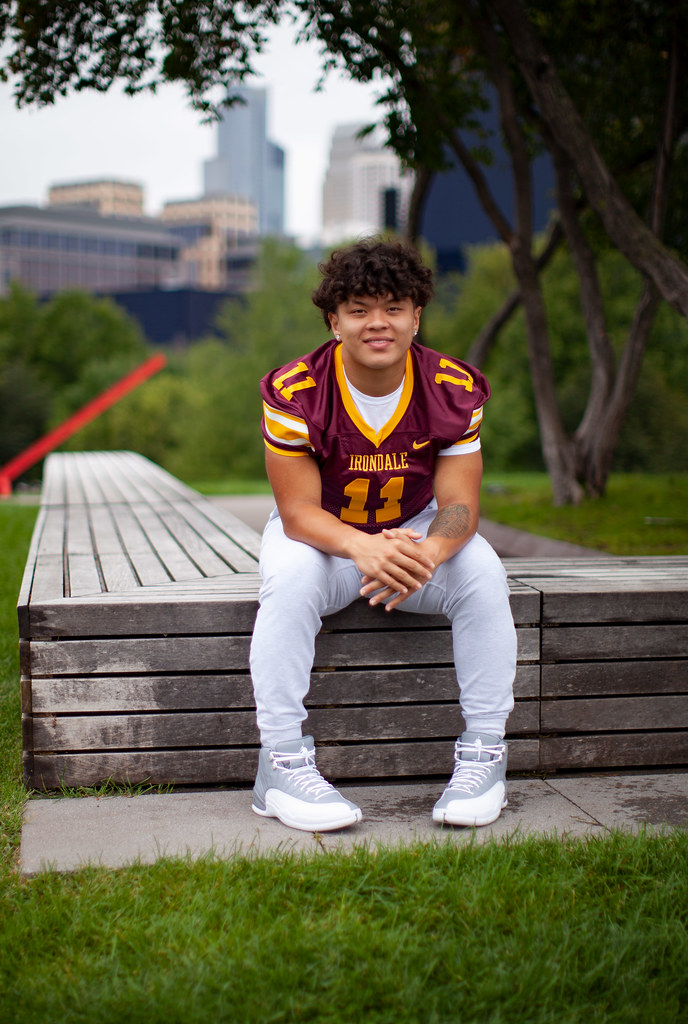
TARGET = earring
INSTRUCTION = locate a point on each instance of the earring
(337, 337)
(415, 332)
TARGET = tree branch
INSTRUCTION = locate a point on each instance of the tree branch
(483, 342)
(624, 227)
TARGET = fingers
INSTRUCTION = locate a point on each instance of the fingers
(393, 565)
(403, 576)
(391, 597)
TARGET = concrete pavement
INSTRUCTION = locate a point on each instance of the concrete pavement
(64, 834)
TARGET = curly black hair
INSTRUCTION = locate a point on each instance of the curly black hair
(373, 267)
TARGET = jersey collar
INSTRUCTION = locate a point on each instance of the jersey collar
(350, 405)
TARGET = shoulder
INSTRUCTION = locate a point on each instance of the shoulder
(303, 374)
(452, 381)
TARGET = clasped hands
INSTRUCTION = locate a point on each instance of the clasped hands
(394, 564)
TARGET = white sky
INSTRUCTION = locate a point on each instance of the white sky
(160, 142)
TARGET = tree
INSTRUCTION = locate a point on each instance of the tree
(441, 60)
(56, 356)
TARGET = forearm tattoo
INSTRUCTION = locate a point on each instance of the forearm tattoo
(452, 521)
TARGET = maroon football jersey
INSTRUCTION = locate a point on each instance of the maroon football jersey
(373, 480)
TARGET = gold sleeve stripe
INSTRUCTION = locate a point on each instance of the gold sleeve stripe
(281, 451)
(282, 435)
(476, 420)
(285, 429)
(295, 423)
(466, 439)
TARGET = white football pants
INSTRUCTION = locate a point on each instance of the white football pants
(301, 584)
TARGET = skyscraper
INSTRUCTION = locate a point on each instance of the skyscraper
(360, 179)
(248, 165)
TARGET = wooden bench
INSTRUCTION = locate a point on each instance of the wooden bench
(136, 612)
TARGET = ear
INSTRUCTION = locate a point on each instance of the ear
(334, 322)
(416, 318)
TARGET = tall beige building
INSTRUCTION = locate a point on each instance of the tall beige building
(210, 231)
(360, 171)
(108, 198)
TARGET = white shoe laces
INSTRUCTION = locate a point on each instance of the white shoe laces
(305, 776)
(468, 775)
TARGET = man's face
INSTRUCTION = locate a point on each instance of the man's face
(376, 333)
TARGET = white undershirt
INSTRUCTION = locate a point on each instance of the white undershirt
(376, 410)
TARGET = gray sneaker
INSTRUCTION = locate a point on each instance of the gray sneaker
(290, 787)
(476, 792)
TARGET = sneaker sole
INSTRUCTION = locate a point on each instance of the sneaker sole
(350, 817)
(467, 820)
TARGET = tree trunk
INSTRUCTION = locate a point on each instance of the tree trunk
(419, 193)
(622, 224)
(485, 339)
(595, 450)
(601, 351)
(557, 450)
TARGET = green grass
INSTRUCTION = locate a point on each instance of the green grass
(532, 931)
(640, 515)
(16, 525)
(232, 486)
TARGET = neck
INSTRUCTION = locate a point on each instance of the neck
(374, 382)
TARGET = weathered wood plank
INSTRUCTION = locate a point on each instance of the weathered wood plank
(618, 677)
(641, 603)
(178, 564)
(53, 733)
(141, 731)
(238, 765)
(619, 750)
(164, 611)
(598, 643)
(139, 549)
(402, 760)
(94, 694)
(150, 654)
(227, 531)
(28, 576)
(161, 654)
(614, 714)
(207, 606)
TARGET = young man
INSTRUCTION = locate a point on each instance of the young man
(373, 454)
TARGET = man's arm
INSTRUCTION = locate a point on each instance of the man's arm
(392, 557)
(456, 483)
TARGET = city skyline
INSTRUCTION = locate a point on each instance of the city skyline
(159, 140)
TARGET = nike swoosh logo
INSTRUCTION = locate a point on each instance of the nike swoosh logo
(420, 444)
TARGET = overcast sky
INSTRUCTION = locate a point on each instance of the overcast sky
(161, 143)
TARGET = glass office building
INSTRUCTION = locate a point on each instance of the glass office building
(50, 249)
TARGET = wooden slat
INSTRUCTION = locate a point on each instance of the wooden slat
(598, 643)
(619, 750)
(160, 654)
(614, 714)
(53, 733)
(140, 550)
(178, 564)
(618, 677)
(95, 694)
(167, 610)
(156, 654)
(238, 765)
